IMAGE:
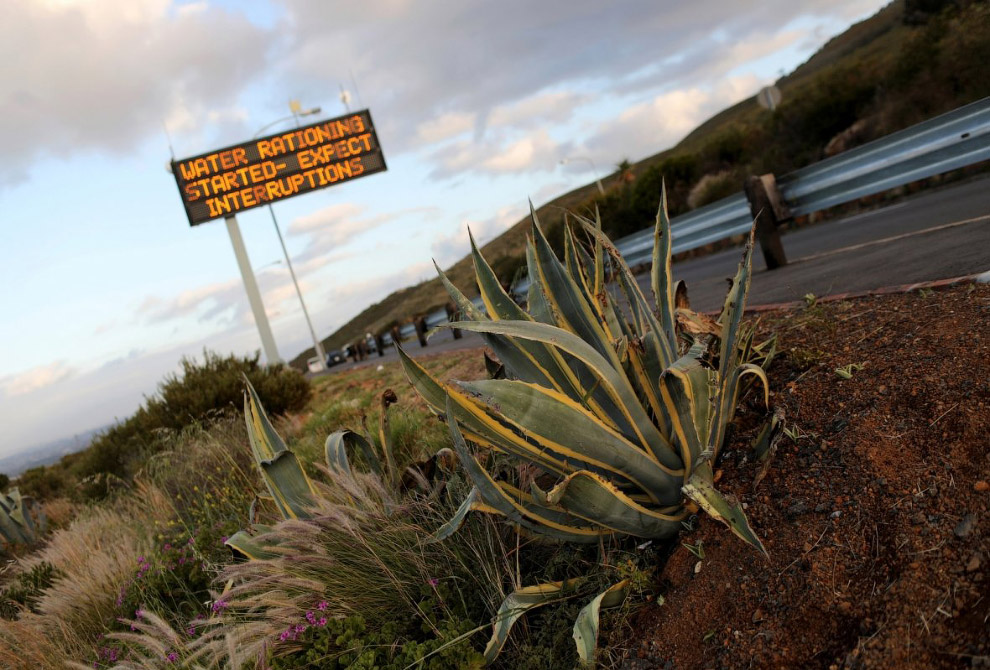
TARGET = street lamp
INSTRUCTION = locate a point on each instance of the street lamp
(594, 170)
(317, 345)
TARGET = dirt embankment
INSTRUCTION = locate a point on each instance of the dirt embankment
(874, 511)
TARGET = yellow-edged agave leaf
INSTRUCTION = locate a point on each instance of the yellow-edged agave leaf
(589, 496)
(514, 504)
(16, 525)
(340, 442)
(521, 601)
(247, 545)
(661, 276)
(284, 477)
(642, 312)
(730, 321)
(586, 625)
(684, 388)
(569, 302)
(487, 426)
(556, 422)
(701, 490)
(613, 381)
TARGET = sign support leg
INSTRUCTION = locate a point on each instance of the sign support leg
(254, 295)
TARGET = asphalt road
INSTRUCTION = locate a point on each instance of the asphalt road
(934, 235)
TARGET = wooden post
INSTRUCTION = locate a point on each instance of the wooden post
(769, 211)
(380, 344)
(420, 324)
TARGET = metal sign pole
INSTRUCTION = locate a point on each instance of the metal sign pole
(254, 296)
(317, 345)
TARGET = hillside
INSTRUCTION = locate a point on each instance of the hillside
(912, 60)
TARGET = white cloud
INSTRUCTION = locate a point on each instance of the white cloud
(535, 151)
(451, 247)
(101, 75)
(551, 107)
(331, 217)
(662, 121)
(36, 378)
(444, 127)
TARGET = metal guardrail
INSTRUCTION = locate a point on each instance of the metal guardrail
(953, 140)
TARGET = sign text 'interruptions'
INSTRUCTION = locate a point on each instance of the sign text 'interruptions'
(225, 182)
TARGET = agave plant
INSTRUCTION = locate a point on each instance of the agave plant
(21, 521)
(290, 488)
(616, 409)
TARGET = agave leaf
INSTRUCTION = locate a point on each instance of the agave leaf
(586, 625)
(499, 304)
(472, 503)
(613, 381)
(247, 545)
(684, 387)
(571, 305)
(730, 321)
(553, 421)
(640, 308)
(701, 490)
(284, 477)
(474, 417)
(340, 442)
(513, 503)
(725, 405)
(536, 302)
(589, 496)
(661, 276)
(521, 601)
(765, 445)
(464, 306)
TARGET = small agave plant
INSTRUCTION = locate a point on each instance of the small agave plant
(21, 520)
(616, 410)
(290, 488)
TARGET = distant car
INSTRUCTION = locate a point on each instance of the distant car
(334, 357)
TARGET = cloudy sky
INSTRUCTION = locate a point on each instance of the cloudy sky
(104, 284)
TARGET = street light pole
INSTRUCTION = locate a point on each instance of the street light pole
(317, 345)
(594, 170)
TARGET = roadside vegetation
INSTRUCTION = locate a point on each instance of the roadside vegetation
(911, 61)
(360, 551)
(617, 481)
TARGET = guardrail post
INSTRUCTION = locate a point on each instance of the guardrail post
(380, 344)
(453, 315)
(420, 324)
(769, 211)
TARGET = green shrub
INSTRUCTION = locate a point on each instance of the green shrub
(200, 392)
(25, 589)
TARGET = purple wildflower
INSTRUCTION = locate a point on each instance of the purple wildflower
(323, 606)
(168, 546)
(219, 606)
(322, 621)
(171, 657)
(310, 617)
(433, 582)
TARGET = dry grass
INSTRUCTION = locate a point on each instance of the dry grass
(95, 556)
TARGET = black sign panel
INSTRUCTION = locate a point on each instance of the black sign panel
(231, 180)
